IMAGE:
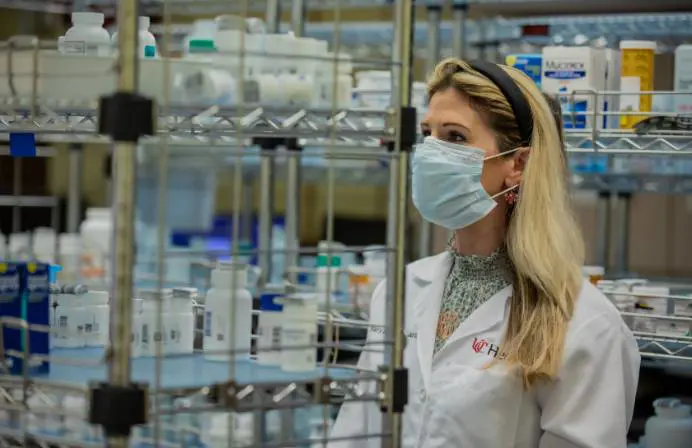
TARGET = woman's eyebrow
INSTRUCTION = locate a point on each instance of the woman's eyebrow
(456, 125)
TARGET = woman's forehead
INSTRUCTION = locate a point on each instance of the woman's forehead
(450, 106)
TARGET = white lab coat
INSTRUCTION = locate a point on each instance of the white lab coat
(455, 403)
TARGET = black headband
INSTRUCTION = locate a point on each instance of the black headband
(516, 99)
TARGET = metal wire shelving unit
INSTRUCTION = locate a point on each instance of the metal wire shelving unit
(222, 134)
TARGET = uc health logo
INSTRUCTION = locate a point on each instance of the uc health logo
(486, 347)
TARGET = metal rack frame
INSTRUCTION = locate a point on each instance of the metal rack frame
(342, 129)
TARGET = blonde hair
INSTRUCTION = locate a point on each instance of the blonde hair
(543, 240)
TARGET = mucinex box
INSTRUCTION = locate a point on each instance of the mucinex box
(568, 70)
(11, 293)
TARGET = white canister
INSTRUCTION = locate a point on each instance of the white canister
(44, 245)
(67, 321)
(671, 427)
(228, 313)
(151, 333)
(69, 258)
(96, 232)
(180, 321)
(299, 333)
(269, 326)
(97, 318)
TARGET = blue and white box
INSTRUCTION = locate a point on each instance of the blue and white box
(36, 296)
(575, 69)
(11, 295)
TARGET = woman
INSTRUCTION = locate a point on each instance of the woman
(507, 346)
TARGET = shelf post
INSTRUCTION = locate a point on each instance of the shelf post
(74, 188)
(397, 222)
(293, 172)
(433, 53)
(459, 20)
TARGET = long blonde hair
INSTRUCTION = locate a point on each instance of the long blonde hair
(543, 240)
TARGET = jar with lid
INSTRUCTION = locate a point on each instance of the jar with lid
(151, 333)
(147, 41)
(97, 318)
(180, 321)
(67, 321)
(228, 313)
(299, 333)
(87, 36)
(69, 253)
(671, 427)
(96, 232)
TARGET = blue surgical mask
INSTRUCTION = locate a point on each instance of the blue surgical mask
(446, 183)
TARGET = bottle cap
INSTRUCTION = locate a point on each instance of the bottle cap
(201, 46)
(268, 301)
(323, 261)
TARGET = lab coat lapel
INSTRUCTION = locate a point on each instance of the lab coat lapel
(490, 314)
(430, 278)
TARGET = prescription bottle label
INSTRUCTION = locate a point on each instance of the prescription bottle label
(637, 76)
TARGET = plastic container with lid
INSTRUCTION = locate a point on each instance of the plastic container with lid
(221, 335)
(87, 36)
(97, 318)
(44, 245)
(67, 321)
(202, 30)
(19, 246)
(147, 41)
(69, 258)
(180, 321)
(593, 273)
(683, 79)
(269, 326)
(671, 427)
(299, 333)
(151, 334)
(97, 233)
(637, 75)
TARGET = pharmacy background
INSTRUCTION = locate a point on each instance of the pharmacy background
(260, 236)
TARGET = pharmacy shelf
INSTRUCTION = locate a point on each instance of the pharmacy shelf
(57, 122)
(563, 29)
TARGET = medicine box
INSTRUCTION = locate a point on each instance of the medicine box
(569, 73)
(11, 292)
(36, 283)
(25, 295)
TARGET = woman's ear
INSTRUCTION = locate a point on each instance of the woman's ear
(519, 161)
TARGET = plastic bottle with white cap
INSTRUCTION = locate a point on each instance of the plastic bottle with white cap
(147, 41)
(180, 321)
(228, 299)
(269, 325)
(87, 36)
(67, 321)
(44, 245)
(671, 427)
(151, 333)
(299, 333)
(97, 318)
(69, 258)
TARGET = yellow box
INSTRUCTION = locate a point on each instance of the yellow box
(636, 75)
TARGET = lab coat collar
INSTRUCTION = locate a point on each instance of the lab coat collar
(429, 277)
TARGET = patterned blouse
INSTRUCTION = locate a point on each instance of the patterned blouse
(472, 280)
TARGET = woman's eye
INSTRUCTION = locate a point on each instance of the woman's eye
(425, 132)
(454, 137)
